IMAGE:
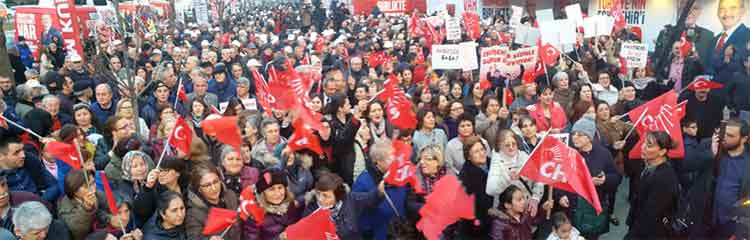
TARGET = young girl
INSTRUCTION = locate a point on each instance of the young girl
(562, 229)
(510, 219)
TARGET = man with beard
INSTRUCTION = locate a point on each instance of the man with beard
(707, 110)
(734, 164)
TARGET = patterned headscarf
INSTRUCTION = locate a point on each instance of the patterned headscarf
(126, 162)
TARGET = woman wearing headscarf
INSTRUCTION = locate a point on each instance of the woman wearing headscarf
(135, 167)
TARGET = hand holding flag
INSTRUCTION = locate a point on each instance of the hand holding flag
(67, 153)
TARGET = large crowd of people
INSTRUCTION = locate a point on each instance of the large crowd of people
(119, 103)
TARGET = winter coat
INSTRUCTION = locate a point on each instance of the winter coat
(101, 114)
(247, 177)
(128, 192)
(153, 230)
(450, 127)
(474, 180)
(557, 117)
(437, 136)
(102, 154)
(498, 177)
(376, 220)
(277, 218)
(655, 199)
(21, 179)
(454, 154)
(80, 221)
(505, 227)
(707, 114)
(348, 211)
(197, 214)
(225, 91)
(342, 136)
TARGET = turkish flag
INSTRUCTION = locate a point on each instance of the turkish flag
(471, 22)
(111, 202)
(616, 12)
(319, 44)
(181, 135)
(685, 44)
(447, 204)
(623, 66)
(660, 114)
(317, 226)
(554, 163)
(181, 95)
(548, 54)
(65, 152)
(303, 138)
(225, 129)
(376, 59)
(485, 84)
(219, 219)
(704, 82)
(420, 74)
(249, 206)
(530, 74)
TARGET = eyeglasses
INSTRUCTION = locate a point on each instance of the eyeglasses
(126, 126)
(509, 145)
(210, 184)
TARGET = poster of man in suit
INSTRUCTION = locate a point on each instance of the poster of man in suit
(729, 42)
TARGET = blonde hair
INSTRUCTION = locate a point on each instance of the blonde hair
(433, 152)
(163, 127)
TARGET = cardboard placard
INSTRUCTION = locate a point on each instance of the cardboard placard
(452, 29)
(446, 56)
(635, 54)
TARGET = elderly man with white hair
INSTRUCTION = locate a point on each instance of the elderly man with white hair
(33, 221)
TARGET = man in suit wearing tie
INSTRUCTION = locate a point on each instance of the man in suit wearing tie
(730, 13)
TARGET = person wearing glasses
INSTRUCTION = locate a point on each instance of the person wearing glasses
(208, 191)
(118, 128)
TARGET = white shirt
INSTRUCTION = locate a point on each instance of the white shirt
(608, 95)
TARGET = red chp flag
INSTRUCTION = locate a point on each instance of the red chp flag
(261, 92)
(249, 206)
(219, 219)
(415, 29)
(181, 136)
(400, 113)
(471, 22)
(317, 226)
(548, 54)
(225, 129)
(69, 25)
(660, 114)
(554, 163)
(65, 152)
(685, 44)
(447, 204)
(303, 138)
(376, 59)
(111, 202)
(402, 171)
(704, 82)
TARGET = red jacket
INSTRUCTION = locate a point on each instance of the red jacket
(557, 117)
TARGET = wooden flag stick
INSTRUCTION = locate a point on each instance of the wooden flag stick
(549, 198)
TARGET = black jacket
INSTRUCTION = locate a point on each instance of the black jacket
(656, 198)
(342, 137)
(474, 180)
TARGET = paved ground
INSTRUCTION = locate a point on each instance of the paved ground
(621, 211)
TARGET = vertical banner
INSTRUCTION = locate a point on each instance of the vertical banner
(26, 26)
(69, 25)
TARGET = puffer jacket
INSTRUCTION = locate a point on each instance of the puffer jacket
(154, 231)
(498, 177)
(504, 227)
(347, 211)
(197, 213)
(277, 218)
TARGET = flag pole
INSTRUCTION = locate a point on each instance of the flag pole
(21, 127)
(549, 198)
(80, 159)
(226, 230)
(635, 124)
(390, 202)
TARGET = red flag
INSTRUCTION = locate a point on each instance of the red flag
(554, 163)
(402, 171)
(303, 138)
(111, 203)
(471, 22)
(420, 74)
(508, 95)
(530, 74)
(548, 54)
(225, 129)
(390, 89)
(704, 82)
(305, 60)
(249, 207)
(65, 152)
(420, 56)
(447, 204)
(681, 109)
(504, 37)
(181, 95)
(261, 92)
(219, 219)
(485, 84)
(317, 226)
(376, 59)
(414, 29)
(616, 12)
(658, 115)
(623, 66)
(67, 14)
(400, 113)
(685, 44)
(285, 88)
(181, 136)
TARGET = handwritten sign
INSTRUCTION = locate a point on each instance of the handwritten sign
(502, 60)
(635, 54)
(452, 29)
(446, 56)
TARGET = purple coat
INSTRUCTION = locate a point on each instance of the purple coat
(274, 223)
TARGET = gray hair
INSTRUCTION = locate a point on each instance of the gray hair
(104, 86)
(3, 106)
(24, 92)
(31, 215)
(267, 122)
(243, 81)
(559, 75)
(49, 98)
(226, 150)
(380, 150)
